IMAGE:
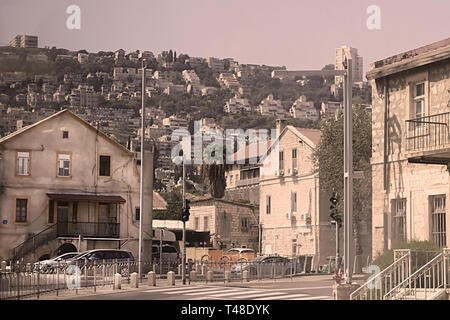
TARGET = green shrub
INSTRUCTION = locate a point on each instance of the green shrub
(421, 253)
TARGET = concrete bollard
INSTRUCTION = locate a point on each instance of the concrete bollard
(227, 276)
(209, 276)
(171, 278)
(204, 269)
(180, 269)
(151, 278)
(245, 276)
(3, 266)
(134, 283)
(193, 276)
(117, 281)
(343, 291)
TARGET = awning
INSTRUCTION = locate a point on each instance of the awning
(86, 197)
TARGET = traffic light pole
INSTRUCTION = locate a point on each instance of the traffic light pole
(338, 265)
(348, 173)
(183, 269)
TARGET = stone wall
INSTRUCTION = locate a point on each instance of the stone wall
(392, 176)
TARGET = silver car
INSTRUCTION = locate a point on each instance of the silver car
(49, 264)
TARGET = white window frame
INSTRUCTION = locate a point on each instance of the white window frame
(23, 163)
(64, 158)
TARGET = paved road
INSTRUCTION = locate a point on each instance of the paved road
(303, 288)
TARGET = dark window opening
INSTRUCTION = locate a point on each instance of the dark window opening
(51, 211)
(65, 135)
(21, 210)
(105, 166)
(138, 214)
(75, 212)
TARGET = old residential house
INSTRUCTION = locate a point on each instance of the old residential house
(230, 224)
(411, 146)
(293, 212)
(61, 178)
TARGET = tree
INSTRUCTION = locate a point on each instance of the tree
(214, 175)
(329, 161)
(174, 206)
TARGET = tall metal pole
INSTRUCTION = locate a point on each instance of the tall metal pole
(337, 246)
(141, 189)
(348, 173)
(183, 269)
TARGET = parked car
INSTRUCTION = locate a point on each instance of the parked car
(169, 253)
(264, 266)
(49, 264)
(104, 255)
(100, 255)
(241, 250)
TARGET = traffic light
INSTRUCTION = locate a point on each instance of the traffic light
(186, 213)
(333, 209)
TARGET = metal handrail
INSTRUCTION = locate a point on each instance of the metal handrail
(428, 132)
(33, 242)
(374, 287)
(411, 281)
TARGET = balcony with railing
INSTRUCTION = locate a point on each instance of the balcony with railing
(428, 140)
(247, 182)
(88, 229)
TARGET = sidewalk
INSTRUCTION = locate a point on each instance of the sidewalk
(162, 283)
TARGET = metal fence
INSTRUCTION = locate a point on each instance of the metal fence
(19, 280)
(232, 271)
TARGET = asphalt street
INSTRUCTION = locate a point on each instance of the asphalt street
(300, 288)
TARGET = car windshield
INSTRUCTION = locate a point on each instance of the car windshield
(80, 255)
(66, 256)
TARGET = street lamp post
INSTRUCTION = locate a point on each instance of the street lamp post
(183, 269)
(141, 189)
(348, 172)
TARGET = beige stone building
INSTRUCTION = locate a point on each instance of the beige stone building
(294, 214)
(411, 146)
(60, 179)
(230, 224)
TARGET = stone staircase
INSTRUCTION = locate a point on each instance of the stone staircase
(430, 282)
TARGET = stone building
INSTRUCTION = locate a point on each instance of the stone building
(294, 213)
(230, 224)
(61, 178)
(411, 146)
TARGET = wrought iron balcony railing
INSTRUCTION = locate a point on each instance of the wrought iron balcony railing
(88, 229)
(428, 133)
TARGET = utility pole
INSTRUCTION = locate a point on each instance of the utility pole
(141, 189)
(348, 172)
(183, 269)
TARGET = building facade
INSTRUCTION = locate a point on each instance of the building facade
(294, 214)
(60, 179)
(346, 52)
(410, 142)
(230, 224)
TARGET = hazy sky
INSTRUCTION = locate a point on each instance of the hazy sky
(300, 34)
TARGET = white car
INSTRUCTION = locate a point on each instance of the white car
(240, 250)
(51, 263)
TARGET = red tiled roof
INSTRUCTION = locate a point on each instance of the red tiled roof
(311, 134)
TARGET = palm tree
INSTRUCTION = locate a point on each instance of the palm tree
(214, 175)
